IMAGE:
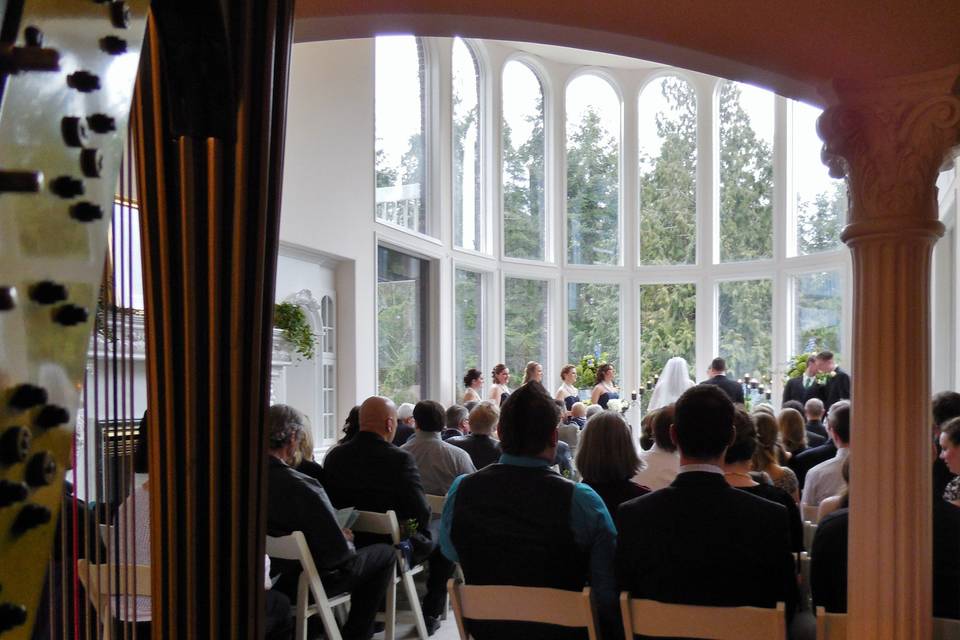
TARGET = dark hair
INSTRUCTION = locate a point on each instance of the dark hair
(646, 431)
(946, 405)
(703, 422)
(470, 376)
(811, 358)
(792, 404)
(352, 424)
(141, 456)
(952, 430)
(839, 419)
(429, 415)
(528, 419)
(497, 370)
(455, 415)
(745, 442)
(567, 368)
(602, 371)
(825, 355)
(661, 427)
(718, 365)
(606, 452)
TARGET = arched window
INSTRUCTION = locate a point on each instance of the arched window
(593, 172)
(667, 166)
(467, 221)
(746, 172)
(400, 158)
(821, 201)
(524, 215)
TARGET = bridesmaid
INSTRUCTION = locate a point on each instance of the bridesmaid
(499, 391)
(473, 383)
(605, 390)
(533, 372)
(567, 392)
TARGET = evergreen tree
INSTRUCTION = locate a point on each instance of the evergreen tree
(592, 193)
(523, 190)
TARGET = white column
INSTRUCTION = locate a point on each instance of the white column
(889, 139)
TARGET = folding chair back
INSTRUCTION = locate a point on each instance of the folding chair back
(106, 581)
(659, 619)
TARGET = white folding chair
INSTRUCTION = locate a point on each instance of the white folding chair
(294, 547)
(809, 531)
(810, 513)
(833, 626)
(507, 603)
(103, 582)
(659, 619)
(386, 524)
(436, 504)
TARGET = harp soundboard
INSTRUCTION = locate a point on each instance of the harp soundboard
(67, 74)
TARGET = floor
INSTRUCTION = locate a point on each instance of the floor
(406, 629)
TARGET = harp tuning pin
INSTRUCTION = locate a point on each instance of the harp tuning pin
(26, 396)
(101, 123)
(113, 45)
(8, 298)
(67, 187)
(86, 212)
(12, 616)
(30, 517)
(74, 131)
(41, 470)
(48, 292)
(14, 445)
(119, 14)
(69, 315)
(83, 81)
(51, 416)
(12, 492)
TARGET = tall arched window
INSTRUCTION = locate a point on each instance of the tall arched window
(821, 201)
(746, 172)
(668, 172)
(593, 172)
(467, 222)
(524, 215)
(400, 159)
(745, 321)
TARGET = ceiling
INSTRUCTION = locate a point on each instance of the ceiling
(794, 48)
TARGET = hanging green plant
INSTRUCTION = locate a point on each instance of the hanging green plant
(292, 321)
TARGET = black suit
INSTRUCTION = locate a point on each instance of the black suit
(837, 388)
(482, 448)
(815, 426)
(794, 390)
(700, 541)
(809, 458)
(730, 387)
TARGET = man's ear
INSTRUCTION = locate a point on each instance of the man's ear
(554, 437)
(673, 436)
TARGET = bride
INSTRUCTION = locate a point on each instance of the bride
(674, 380)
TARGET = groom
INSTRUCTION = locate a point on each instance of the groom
(717, 375)
(838, 380)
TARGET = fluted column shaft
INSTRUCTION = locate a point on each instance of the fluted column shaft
(889, 139)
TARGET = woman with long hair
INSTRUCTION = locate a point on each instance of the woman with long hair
(793, 431)
(472, 383)
(566, 392)
(770, 454)
(604, 390)
(673, 381)
(607, 459)
(499, 391)
(533, 372)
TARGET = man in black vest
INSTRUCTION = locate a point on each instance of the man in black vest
(519, 523)
(717, 376)
(701, 541)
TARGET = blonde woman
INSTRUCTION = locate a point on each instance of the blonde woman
(533, 372)
(499, 391)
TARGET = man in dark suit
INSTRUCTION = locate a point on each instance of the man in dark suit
(838, 381)
(804, 386)
(813, 410)
(701, 541)
(808, 459)
(717, 376)
(369, 473)
(479, 443)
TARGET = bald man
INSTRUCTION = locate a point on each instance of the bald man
(369, 473)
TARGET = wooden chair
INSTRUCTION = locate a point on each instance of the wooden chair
(387, 524)
(507, 603)
(103, 582)
(294, 547)
(659, 619)
(833, 626)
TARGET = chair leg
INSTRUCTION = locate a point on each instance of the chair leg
(411, 590)
(301, 619)
(390, 612)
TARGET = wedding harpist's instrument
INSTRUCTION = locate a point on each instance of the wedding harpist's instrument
(67, 73)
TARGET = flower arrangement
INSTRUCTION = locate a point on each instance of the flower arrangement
(587, 368)
(292, 321)
(797, 365)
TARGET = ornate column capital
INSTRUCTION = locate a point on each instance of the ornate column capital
(889, 138)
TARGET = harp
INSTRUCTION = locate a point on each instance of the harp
(204, 83)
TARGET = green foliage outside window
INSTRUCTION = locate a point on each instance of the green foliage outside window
(525, 324)
(746, 325)
(593, 180)
(593, 320)
(523, 189)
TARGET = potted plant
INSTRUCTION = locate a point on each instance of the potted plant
(292, 322)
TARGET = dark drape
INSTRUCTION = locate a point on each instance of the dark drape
(209, 127)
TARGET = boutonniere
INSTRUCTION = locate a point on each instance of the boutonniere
(823, 378)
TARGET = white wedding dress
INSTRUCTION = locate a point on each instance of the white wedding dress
(674, 380)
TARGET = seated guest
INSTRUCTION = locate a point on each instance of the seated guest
(305, 462)
(646, 431)
(717, 376)
(765, 407)
(592, 410)
(519, 523)
(471, 405)
(480, 444)
(406, 424)
(297, 502)
(826, 479)
(473, 385)
(806, 460)
(569, 433)
(578, 415)
(607, 460)
(458, 422)
(439, 462)
(661, 462)
(793, 433)
(770, 455)
(813, 411)
(736, 469)
(950, 455)
(701, 541)
(564, 459)
(796, 405)
(350, 426)
(369, 473)
(839, 501)
(945, 406)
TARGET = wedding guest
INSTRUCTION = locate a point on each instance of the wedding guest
(578, 415)
(838, 381)
(351, 425)
(305, 463)
(826, 479)
(438, 462)
(803, 387)
(483, 448)
(532, 372)
(944, 406)
(769, 455)
(950, 454)
(473, 384)
(567, 392)
(499, 391)
(673, 381)
(662, 462)
(813, 410)
(793, 432)
(717, 376)
(604, 390)
(792, 404)
(406, 424)
(839, 501)
(569, 433)
(593, 410)
(765, 407)
(457, 421)
(607, 460)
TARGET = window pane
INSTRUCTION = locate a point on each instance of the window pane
(524, 227)
(466, 148)
(468, 324)
(525, 324)
(668, 172)
(668, 327)
(745, 326)
(399, 128)
(821, 200)
(818, 312)
(402, 314)
(593, 173)
(746, 172)
(593, 315)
